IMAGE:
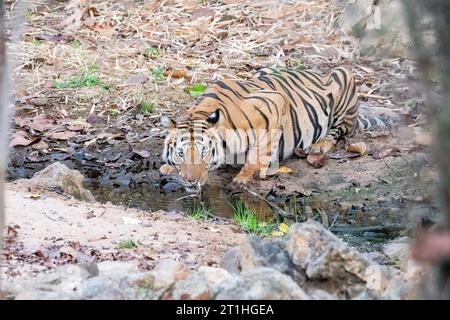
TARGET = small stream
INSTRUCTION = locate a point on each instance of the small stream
(353, 225)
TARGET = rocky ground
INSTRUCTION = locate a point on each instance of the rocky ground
(311, 263)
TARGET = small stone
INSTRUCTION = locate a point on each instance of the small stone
(260, 284)
(171, 266)
(117, 269)
(100, 288)
(213, 276)
(194, 287)
(254, 252)
(231, 261)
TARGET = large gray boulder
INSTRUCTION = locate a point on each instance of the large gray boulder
(322, 254)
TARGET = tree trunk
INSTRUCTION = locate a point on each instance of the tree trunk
(435, 61)
(3, 126)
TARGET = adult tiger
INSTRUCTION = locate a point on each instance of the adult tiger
(257, 122)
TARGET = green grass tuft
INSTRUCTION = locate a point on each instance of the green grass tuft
(248, 220)
(87, 78)
(157, 74)
(147, 107)
(153, 53)
(76, 44)
(200, 212)
(127, 244)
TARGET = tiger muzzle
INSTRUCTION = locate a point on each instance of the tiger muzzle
(193, 176)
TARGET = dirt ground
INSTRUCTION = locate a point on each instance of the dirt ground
(95, 76)
(46, 230)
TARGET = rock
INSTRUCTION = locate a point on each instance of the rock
(100, 288)
(45, 295)
(214, 276)
(319, 294)
(231, 261)
(117, 269)
(254, 252)
(61, 284)
(157, 283)
(377, 278)
(58, 175)
(194, 287)
(150, 285)
(171, 266)
(398, 250)
(259, 284)
(414, 272)
(322, 255)
(394, 289)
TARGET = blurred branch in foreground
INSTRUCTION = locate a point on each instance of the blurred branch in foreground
(434, 64)
(3, 126)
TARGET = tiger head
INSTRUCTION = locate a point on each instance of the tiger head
(192, 148)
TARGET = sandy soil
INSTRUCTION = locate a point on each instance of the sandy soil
(46, 229)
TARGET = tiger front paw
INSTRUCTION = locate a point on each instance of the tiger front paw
(323, 146)
(242, 179)
(167, 170)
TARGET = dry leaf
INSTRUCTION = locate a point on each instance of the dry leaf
(105, 29)
(202, 12)
(38, 123)
(284, 170)
(380, 154)
(33, 196)
(176, 74)
(343, 154)
(19, 140)
(283, 227)
(277, 234)
(41, 145)
(359, 148)
(317, 160)
(142, 153)
(63, 135)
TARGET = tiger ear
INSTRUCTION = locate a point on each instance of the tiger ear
(214, 117)
(167, 122)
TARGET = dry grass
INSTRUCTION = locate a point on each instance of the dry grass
(194, 42)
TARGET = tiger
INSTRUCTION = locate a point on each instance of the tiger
(258, 122)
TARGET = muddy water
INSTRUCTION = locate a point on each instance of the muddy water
(152, 199)
(342, 221)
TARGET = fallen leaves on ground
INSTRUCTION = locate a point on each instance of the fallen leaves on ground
(284, 170)
(360, 148)
(20, 140)
(378, 154)
(63, 135)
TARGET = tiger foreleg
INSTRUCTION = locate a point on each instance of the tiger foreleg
(262, 159)
(167, 169)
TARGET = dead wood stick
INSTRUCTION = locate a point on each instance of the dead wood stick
(280, 211)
